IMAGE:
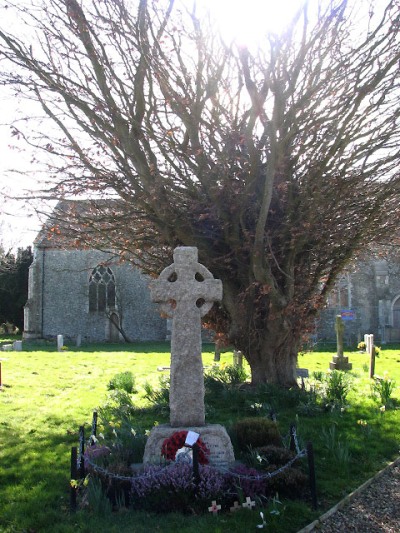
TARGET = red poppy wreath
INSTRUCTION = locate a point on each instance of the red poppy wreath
(176, 441)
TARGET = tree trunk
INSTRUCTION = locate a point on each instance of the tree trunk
(272, 355)
(273, 364)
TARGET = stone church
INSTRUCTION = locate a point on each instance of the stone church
(88, 294)
(368, 299)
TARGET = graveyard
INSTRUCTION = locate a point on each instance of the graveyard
(46, 395)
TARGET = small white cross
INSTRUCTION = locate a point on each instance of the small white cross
(214, 507)
(248, 504)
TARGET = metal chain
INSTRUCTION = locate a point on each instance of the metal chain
(267, 475)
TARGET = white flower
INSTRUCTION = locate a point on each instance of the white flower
(264, 523)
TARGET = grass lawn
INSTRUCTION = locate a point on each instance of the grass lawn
(47, 395)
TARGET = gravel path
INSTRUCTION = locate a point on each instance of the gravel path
(375, 508)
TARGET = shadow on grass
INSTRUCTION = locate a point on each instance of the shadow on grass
(34, 478)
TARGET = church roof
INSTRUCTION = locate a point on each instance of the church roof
(71, 223)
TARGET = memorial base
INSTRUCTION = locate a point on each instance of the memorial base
(340, 363)
(214, 436)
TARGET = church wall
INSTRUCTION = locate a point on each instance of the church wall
(66, 299)
(33, 306)
(374, 287)
(61, 278)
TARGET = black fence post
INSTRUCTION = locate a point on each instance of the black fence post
(74, 475)
(196, 472)
(81, 452)
(311, 473)
(94, 427)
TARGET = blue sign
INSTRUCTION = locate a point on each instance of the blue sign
(348, 314)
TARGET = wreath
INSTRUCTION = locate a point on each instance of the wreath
(176, 441)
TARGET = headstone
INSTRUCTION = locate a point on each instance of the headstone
(60, 342)
(339, 328)
(237, 358)
(18, 346)
(7, 347)
(339, 362)
(371, 351)
(78, 340)
(302, 373)
(369, 342)
(186, 291)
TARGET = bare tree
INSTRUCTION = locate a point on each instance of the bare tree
(278, 163)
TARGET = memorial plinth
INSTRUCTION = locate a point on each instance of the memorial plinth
(186, 291)
(214, 436)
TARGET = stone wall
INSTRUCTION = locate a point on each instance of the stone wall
(375, 287)
(59, 298)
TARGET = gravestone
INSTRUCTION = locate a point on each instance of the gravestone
(186, 291)
(17, 346)
(237, 358)
(339, 361)
(60, 342)
(371, 352)
(369, 342)
(78, 340)
(302, 373)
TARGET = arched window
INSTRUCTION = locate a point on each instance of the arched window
(396, 313)
(340, 296)
(101, 289)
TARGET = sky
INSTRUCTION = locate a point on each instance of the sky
(18, 221)
(241, 19)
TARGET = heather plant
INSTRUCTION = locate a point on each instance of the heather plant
(247, 481)
(172, 488)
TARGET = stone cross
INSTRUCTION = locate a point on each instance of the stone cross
(186, 291)
(339, 362)
(339, 328)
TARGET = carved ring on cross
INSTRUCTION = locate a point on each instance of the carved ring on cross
(201, 274)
